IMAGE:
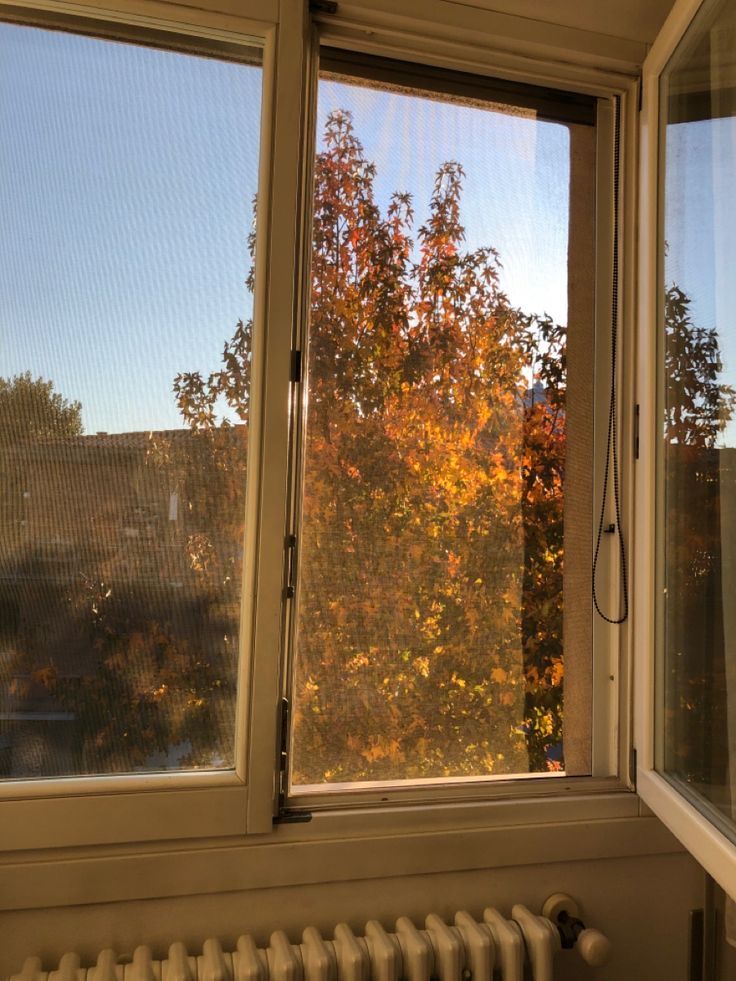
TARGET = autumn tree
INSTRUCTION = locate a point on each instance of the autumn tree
(111, 612)
(31, 409)
(430, 594)
(431, 548)
(429, 634)
(167, 656)
(32, 416)
(420, 463)
(543, 476)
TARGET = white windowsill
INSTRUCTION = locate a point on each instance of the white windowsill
(332, 847)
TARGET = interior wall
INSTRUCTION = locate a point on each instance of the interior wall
(641, 904)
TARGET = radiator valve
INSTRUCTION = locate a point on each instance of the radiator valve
(593, 946)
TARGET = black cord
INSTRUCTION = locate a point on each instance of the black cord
(612, 436)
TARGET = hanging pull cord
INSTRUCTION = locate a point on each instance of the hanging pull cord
(611, 470)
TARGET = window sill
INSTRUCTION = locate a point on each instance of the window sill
(339, 847)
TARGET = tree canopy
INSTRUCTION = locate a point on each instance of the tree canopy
(31, 409)
(430, 523)
(431, 538)
(431, 549)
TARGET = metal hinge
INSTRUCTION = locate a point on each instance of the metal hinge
(285, 816)
(291, 567)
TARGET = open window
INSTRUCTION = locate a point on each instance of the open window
(456, 375)
(386, 509)
(685, 535)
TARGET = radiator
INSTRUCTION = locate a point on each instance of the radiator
(493, 949)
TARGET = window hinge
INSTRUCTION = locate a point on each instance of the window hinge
(636, 431)
(291, 567)
(632, 767)
(285, 816)
(296, 367)
(323, 6)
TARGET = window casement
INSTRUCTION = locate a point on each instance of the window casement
(683, 645)
(134, 157)
(326, 455)
(443, 520)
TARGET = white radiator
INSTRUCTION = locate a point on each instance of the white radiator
(494, 949)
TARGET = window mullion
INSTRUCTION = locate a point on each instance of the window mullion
(281, 303)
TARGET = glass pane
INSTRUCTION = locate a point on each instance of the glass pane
(431, 632)
(127, 176)
(697, 711)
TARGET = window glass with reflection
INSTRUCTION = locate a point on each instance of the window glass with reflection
(127, 181)
(697, 668)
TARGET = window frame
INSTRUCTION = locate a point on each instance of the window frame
(610, 693)
(103, 812)
(709, 846)
(75, 811)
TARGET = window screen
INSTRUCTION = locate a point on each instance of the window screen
(127, 179)
(442, 625)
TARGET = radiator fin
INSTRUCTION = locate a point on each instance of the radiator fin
(541, 943)
(494, 949)
(478, 944)
(213, 965)
(284, 961)
(416, 951)
(249, 963)
(385, 953)
(507, 940)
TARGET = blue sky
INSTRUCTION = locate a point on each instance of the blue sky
(126, 181)
(516, 191)
(700, 217)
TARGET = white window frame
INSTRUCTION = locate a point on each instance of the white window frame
(103, 812)
(709, 846)
(610, 697)
(73, 811)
